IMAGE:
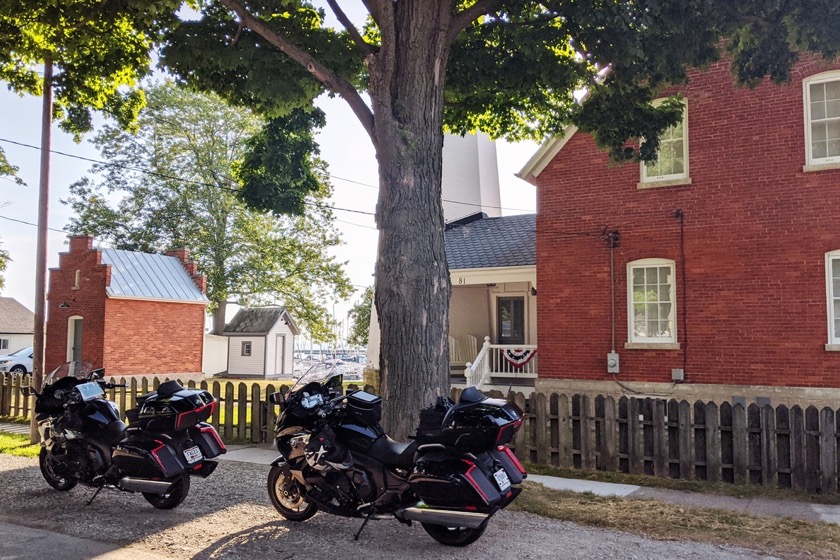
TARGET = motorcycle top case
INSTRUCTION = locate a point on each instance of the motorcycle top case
(172, 408)
(472, 427)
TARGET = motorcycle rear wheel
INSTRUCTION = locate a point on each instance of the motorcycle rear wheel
(286, 498)
(454, 536)
(173, 499)
(47, 463)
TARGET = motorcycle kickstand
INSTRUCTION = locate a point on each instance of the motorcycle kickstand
(95, 494)
(364, 523)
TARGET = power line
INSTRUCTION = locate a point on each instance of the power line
(165, 176)
(30, 224)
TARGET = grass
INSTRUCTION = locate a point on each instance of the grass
(18, 444)
(784, 537)
(720, 488)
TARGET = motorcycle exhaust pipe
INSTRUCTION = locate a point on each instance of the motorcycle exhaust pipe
(145, 485)
(449, 518)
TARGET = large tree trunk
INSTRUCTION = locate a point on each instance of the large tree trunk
(219, 318)
(412, 277)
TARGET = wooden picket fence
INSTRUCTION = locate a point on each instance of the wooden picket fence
(786, 447)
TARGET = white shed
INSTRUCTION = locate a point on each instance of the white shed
(261, 342)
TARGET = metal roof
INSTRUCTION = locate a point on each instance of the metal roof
(15, 318)
(493, 242)
(137, 275)
(256, 320)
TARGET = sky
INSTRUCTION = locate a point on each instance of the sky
(344, 145)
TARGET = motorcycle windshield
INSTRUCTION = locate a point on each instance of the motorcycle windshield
(79, 370)
(328, 374)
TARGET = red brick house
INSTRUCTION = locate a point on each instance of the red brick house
(131, 313)
(725, 252)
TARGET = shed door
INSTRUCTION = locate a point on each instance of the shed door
(280, 355)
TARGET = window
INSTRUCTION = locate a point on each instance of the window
(832, 274)
(510, 317)
(822, 118)
(4, 343)
(246, 348)
(672, 160)
(76, 280)
(652, 301)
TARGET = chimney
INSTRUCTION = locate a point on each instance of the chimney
(191, 267)
(81, 243)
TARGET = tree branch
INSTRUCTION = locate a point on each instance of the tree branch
(323, 74)
(374, 8)
(363, 45)
(465, 17)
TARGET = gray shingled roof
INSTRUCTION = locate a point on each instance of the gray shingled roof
(15, 318)
(256, 320)
(493, 242)
(149, 276)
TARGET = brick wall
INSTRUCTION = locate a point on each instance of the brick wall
(756, 232)
(152, 337)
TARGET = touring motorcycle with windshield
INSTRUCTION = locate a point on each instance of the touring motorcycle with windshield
(85, 441)
(334, 456)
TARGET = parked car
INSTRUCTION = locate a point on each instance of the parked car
(17, 362)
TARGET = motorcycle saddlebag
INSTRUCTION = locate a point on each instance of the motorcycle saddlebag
(144, 456)
(459, 483)
(207, 439)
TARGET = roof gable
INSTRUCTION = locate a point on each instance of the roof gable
(15, 318)
(493, 243)
(136, 275)
(543, 156)
(258, 320)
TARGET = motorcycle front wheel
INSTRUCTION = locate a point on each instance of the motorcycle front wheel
(177, 494)
(48, 466)
(286, 498)
(454, 536)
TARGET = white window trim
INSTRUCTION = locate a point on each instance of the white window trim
(670, 342)
(833, 338)
(674, 178)
(4, 343)
(250, 348)
(816, 164)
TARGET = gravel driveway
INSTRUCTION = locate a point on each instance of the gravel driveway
(228, 516)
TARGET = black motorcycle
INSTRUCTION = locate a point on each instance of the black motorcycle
(452, 478)
(84, 440)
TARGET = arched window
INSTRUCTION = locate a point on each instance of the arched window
(651, 302)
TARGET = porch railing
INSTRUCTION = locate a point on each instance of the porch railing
(508, 361)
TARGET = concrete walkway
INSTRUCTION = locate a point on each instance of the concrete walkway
(264, 454)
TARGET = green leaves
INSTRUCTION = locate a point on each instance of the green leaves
(172, 184)
(277, 171)
(360, 314)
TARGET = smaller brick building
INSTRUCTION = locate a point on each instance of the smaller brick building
(129, 312)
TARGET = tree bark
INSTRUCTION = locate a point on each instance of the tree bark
(412, 277)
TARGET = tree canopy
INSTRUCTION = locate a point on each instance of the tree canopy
(175, 182)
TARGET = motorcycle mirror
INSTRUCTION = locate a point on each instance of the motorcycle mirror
(97, 373)
(275, 398)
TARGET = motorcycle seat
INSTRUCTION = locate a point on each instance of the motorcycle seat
(165, 389)
(394, 453)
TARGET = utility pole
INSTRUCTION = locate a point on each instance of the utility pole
(41, 249)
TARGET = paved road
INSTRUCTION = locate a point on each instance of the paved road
(228, 516)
